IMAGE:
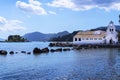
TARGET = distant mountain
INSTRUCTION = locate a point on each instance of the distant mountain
(103, 28)
(37, 36)
(59, 34)
(70, 36)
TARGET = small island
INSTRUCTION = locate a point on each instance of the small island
(16, 38)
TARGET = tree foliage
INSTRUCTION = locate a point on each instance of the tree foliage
(15, 38)
(68, 37)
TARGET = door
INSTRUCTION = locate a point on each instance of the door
(111, 42)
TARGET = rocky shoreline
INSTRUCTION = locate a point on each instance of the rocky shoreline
(37, 50)
(62, 47)
(60, 44)
(95, 46)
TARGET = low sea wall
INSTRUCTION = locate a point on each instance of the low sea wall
(86, 46)
(89, 46)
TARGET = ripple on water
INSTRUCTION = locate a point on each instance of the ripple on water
(89, 64)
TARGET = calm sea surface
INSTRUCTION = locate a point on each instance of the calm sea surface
(89, 64)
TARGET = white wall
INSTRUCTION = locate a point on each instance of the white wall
(111, 34)
(88, 41)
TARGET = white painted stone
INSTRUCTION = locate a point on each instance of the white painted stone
(111, 34)
(110, 37)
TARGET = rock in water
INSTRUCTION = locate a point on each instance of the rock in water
(45, 50)
(3, 52)
(66, 49)
(59, 50)
(11, 52)
(37, 50)
(23, 51)
(52, 50)
(28, 52)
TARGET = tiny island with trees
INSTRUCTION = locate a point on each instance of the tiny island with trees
(16, 38)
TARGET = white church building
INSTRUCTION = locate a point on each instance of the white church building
(110, 36)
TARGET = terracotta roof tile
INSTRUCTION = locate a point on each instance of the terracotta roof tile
(91, 34)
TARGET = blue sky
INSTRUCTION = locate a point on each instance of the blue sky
(52, 16)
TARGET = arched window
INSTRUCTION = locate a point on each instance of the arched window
(112, 29)
(79, 39)
(86, 38)
(75, 39)
(95, 38)
(91, 38)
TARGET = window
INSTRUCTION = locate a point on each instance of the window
(86, 38)
(75, 39)
(112, 29)
(91, 38)
(79, 39)
(95, 38)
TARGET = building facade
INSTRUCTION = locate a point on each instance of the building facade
(110, 36)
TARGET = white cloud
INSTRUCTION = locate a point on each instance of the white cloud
(2, 20)
(33, 6)
(51, 12)
(113, 6)
(10, 25)
(34, 2)
(80, 5)
(64, 4)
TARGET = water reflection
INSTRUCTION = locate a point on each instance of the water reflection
(39, 54)
(3, 55)
(117, 65)
(112, 57)
(87, 64)
(111, 63)
(110, 71)
(118, 52)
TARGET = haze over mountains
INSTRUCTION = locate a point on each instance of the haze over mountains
(38, 36)
(105, 27)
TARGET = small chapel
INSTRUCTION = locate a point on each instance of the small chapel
(110, 36)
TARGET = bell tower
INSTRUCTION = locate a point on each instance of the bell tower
(111, 34)
(111, 29)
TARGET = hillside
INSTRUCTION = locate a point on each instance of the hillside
(103, 28)
(37, 36)
(69, 37)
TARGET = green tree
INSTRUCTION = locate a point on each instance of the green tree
(15, 38)
(68, 37)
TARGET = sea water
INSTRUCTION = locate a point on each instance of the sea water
(85, 64)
